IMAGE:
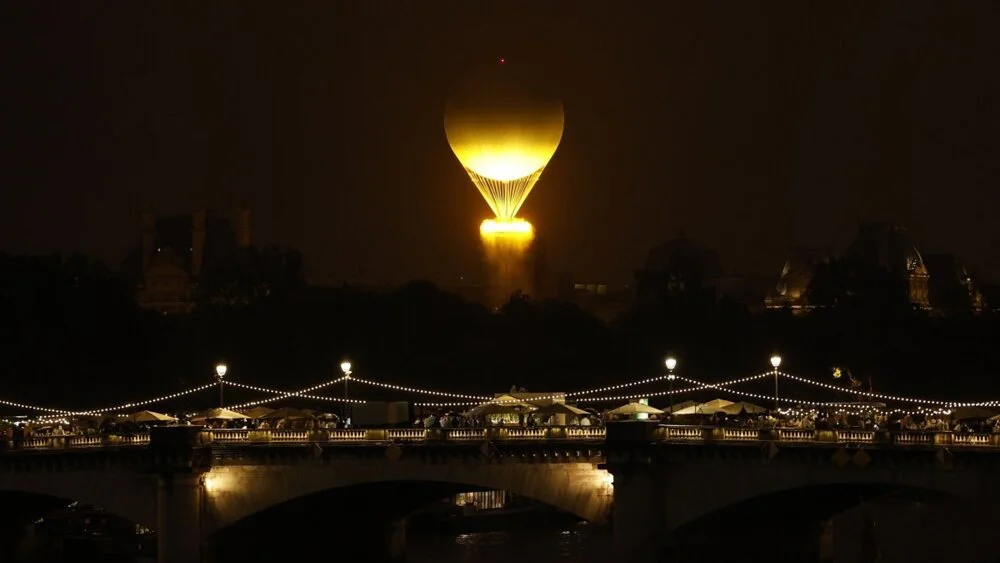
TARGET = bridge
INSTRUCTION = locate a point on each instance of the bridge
(650, 483)
(654, 485)
(662, 433)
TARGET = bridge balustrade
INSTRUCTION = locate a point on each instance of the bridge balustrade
(973, 439)
(585, 432)
(663, 433)
(795, 435)
(683, 433)
(407, 434)
(78, 441)
(740, 434)
(346, 434)
(467, 433)
(912, 438)
(648, 432)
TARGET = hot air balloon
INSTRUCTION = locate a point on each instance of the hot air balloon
(503, 132)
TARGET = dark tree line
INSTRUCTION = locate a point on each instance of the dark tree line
(73, 335)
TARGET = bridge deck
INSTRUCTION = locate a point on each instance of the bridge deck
(546, 435)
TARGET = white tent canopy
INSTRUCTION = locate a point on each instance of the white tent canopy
(634, 409)
(711, 407)
(219, 414)
(743, 406)
(561, 408)
(680, 406)
(150, 416)
(258, 412)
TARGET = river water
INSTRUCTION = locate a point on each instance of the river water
(573, 544)
(570, 544)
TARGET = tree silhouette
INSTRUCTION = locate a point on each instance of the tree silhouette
(73, 335)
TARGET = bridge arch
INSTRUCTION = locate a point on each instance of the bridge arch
(236, 492)
(804, 505)
(702, 487)
(128, 494)
(836, 520)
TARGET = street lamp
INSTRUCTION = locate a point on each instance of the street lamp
(775, 363)
(220, 373)
(671, 363)
(345, 366)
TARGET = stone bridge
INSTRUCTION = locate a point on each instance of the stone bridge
(189, 492)
(664, 482)
(666, 489)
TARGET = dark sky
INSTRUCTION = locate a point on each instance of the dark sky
(752, 126)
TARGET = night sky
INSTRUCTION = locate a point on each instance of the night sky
(751, 126)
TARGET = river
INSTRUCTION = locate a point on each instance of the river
(574, 544)
(578, 543)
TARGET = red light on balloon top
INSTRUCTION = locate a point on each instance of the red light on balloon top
(502, 61)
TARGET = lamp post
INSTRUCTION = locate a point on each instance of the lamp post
(671, 363)
(220, 373)
(775, 363)
(345, 367)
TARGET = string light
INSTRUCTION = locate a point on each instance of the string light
(29, 407)
(303, 393)
(395, 387)
(286, 393)
(860, 410)
(767, 397)
(881, 396)
(580, 396)
(619, 386)
(494, 400)
(454, 404)
(121, 407)
(579, 399)
(700, 387)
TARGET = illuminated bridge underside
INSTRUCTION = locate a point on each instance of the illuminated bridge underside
(241, 488)
(505, 197)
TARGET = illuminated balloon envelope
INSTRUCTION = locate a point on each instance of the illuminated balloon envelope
(504, 135)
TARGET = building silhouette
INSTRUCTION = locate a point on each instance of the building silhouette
(953, 290)
(936, 283)
(175, 252)
(887, 246)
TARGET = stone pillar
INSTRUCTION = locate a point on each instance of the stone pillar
(395, 541)
(178, 518)
(179, 464)
(638, 514)
(637, 517)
